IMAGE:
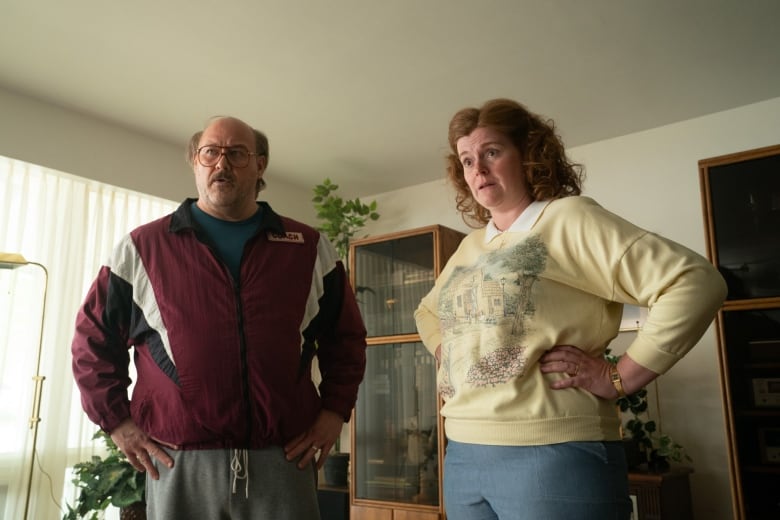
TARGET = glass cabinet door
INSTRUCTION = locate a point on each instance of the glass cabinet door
(396, 447)
(745, 202)
(391, 277)
(396, 439)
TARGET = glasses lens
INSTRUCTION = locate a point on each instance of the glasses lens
(238, 157)
(209, 156)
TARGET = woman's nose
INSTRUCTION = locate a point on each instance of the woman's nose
(480, 166)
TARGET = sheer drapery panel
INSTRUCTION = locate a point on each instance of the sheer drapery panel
(70, 225)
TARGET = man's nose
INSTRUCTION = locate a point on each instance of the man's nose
(222, 162)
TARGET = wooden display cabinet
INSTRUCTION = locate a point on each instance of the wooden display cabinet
(741, 199)
(397, 437)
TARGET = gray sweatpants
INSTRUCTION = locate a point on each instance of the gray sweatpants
(232, 485)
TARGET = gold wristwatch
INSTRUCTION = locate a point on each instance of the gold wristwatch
(617, 382)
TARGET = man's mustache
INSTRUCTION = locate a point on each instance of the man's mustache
(223, 175)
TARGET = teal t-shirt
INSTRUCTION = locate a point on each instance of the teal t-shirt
(227, 236)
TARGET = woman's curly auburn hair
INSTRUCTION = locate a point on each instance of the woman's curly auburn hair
(548, 172)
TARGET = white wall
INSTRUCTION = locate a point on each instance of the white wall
(60, 139)
(650, 178)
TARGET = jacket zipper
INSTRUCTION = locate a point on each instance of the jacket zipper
(244, 364)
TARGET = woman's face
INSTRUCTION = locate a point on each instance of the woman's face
(493, 171)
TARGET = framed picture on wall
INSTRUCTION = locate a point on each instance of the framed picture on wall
(633, 318)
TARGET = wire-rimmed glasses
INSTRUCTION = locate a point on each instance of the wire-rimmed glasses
(237, 156)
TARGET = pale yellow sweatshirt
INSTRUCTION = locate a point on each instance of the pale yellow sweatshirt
(559, 275)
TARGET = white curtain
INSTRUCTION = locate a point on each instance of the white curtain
(69, 225)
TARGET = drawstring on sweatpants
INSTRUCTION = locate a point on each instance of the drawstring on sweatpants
(239, 465)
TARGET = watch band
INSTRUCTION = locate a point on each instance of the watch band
(617, 382)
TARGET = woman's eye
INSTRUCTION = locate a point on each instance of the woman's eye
(466, 162)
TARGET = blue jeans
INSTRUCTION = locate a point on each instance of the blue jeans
(569, 481)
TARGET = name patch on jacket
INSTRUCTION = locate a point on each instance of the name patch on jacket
(290, 236)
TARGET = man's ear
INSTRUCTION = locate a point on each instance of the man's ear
(262, 161)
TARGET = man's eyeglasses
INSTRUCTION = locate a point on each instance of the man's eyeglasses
(209, 155)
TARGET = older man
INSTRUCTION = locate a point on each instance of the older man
(224, 302)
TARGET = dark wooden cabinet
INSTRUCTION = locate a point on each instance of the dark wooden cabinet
(661, 496)
(741, 199)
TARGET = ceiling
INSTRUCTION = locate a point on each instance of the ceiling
(362, 91)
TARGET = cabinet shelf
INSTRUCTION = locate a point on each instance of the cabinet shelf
(753, 412)
(772, 470)
(762, 366)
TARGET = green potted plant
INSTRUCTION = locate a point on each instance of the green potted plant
(644, 441)
(104, 481)
(341, 221)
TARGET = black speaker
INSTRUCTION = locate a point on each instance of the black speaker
(334, 504)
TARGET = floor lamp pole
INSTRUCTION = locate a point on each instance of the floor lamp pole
(12, 261)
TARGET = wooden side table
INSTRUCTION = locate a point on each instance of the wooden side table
(662, 496)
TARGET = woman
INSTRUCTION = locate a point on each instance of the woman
(530, 419)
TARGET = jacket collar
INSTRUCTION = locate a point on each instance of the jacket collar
(182, 220)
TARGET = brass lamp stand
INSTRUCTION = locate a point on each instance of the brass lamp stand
(13, 261)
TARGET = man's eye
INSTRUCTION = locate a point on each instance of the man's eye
(492, 152)
(210, 151)
(237, 154)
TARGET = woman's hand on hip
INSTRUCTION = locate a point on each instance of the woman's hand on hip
(584, 371)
